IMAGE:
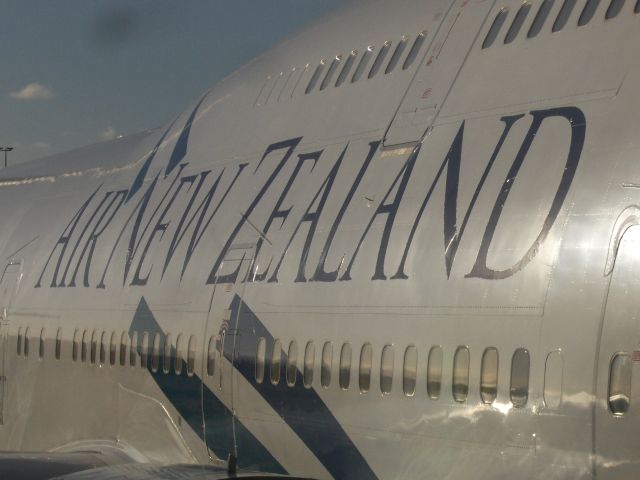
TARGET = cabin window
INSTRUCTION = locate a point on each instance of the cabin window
(495, 28)
(410, 371)
(315, 77)
(379, 59)
(348, 63)
(521, 16)
(144, 350)
(124, 338)
(434, 372)
(276, 358)
(397, 53)
(113, 346)
(261, 353)
(75, 345)
(563, 15)
(27, 335)
(332, 70)
(541, 18)
(19, 342)
(327, 364)
(94, 346)
(588, 11)
(362, 66)
(58, 351)
(619, 397)
(415, 48)
(292, 363)
(520, 377)
(309, 364)
(366, 361)
(179, 355)
(191, 355)
(41, 344)
(211, 356)
(386, 369)
(103, 348)
(84, 348)
(614, 8)
(637, 7)
(460, 387)
(155, 353)
(133, 349)
(344, 377)
(489, 375)
(166, 354)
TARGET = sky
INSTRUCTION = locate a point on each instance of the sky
(76, 72)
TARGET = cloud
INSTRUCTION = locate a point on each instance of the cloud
(109, 134)
(33, 91)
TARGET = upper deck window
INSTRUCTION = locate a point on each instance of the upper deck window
(614, 9)
(495, 28)
(364, 61)
(588, 11)
(332, 69)
(348, 63)
(563, 15)
(377, 64)
(541, 18)
(415, 48)
(315, 77)
(397, 53)
(521, 16)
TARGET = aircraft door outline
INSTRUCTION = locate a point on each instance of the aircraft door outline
(223, 326)
(438, 71)
(9, 284)
(617, 375)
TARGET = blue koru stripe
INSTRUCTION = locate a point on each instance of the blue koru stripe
(301, 408)
(183, 391)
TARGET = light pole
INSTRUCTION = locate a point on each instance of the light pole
(5, 150)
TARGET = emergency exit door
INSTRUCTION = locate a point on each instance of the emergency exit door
(9, 282)
(437, 74)
(617, 419)
(221, 335)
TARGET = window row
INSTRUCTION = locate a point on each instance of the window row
(519, 384)
(363, 64)
(588, 11)
(157, 351)
(342, 69)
